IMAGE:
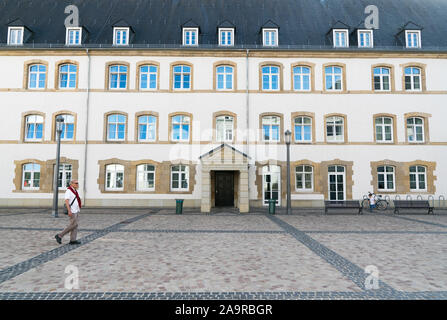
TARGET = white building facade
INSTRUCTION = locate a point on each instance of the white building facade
(146, 126)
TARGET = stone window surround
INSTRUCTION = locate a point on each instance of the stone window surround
(162, 176)
(220, 64)
(281, 78)
(345, 128)
(402, 176)
(422, 67)
(392, 77)
(224, 113)
(46, 174)
(53, 125)
(26, 67)
(147, 113)
(394, 125)
(309, 65)
(107, 75)
(23, 127)
(425, 117)
(310, 115)
(281, 127)
(57, 74)
(147, 63)
(106, 126)
(171, 76)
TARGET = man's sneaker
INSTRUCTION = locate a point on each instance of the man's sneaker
(58, 239)
(75, 242)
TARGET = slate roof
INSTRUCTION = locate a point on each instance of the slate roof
(157, 23)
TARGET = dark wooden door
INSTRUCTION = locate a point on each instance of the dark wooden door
(224, 189)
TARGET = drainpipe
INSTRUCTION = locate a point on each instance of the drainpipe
(247, 102)
(86, 129)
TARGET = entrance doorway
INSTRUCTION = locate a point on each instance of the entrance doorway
(224, 191)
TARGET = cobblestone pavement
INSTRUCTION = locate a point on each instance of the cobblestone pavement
(156, 254)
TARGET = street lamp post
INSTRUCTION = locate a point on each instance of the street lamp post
(59, 125)
(288, 135)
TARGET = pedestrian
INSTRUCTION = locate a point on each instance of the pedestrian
(372, 201)
(73, 204)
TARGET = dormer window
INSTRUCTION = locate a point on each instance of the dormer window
(270, 37)
(15, 36)
(365, 38)
(413, 38)
(73, 37)
(190, 36)
(121, 36)
(341, 39)
(226, 37)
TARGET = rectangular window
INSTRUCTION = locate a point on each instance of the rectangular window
(15, 36)
(301, 78)
(147, 126)
(413, 39)
(270, 37)
(384, 129)
(365, 38)
(304, 178)
(418, 178)
(182, 77)
(226, 37)
(64, 176)
(180, 128)
(385, 178)
(334, 78)
(31, 176)
(148, 77)
(74, 36)
(114, 177)
(190, 36)
(341, 39)
(145, 177)
(180, 178)
(224, 77)
(121, 36)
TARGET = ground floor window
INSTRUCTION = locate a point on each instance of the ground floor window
(418, 178)
(304, 178)
(145, 177)
(179, 178)
(64, 176)
(114, 177)
(385, 178)
(337, 185)
(271, 181)
(31, 176)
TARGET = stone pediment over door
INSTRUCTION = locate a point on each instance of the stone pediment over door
(224, 155)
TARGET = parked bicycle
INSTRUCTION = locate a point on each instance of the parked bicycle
(381, 203)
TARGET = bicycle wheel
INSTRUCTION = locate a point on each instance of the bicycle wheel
(382, 205)
(365, 204)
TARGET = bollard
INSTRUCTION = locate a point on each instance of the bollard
(179, 206)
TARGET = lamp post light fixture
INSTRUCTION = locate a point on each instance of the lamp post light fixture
(59, 127)
(288, 136)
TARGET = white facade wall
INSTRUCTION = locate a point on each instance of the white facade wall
(358, 105)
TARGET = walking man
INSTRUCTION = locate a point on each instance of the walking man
(73, 204)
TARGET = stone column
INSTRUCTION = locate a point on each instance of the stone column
(243, 192)
(206, 191)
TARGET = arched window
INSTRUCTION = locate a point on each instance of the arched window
(37, 76)
(181, 127)
(384, 129)
(382, 79)
(413, 79)
(270, 78)
(179, 178)
(224, 128)
(33, 128)
(301, 78)
(335, 129)
(271, 184)
(224, 77)
(31, 176)
(182, 77)
(64, 175)
(114, 177)
(304, 178)
(67, 76)
(386, 178)
(418, 178)
(67, 127)
(147, 128)
(303, 129)
(146, 177)
(415, 129)
(148, 77)
(334, 78)
(117, 77)
(116, 127)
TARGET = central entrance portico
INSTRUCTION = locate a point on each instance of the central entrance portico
(225, 179)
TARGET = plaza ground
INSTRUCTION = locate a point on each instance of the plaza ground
(156, 254)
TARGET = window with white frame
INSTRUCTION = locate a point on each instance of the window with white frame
(179, 178)
(224, 77)
(190, 36)
(418, 178)
(335, 129)
(15, 36)
(334, 78)
(31, 176)
(271, 128)
(148, 77)
(67, 76)
(270, 37)
(120, 36)
(68, 125)
(303, 129)
(114, 177)
(224, 128)
(147, 128)
(384, 129)
(304, 178)
(341, 38)
(37, 76)
(116, 127)
(271, 184)
(365, 38)
(64, 176)
(145, 177)
(301, 78)
(412, 79)
(413, 38)
(117, 77)
(382, 79)
(181, 126)
(415, 129)
(182, 77)
(336, 183)
(226, 37)
(385, 178)
(73, 37)
(33, 128)
(270, 78)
